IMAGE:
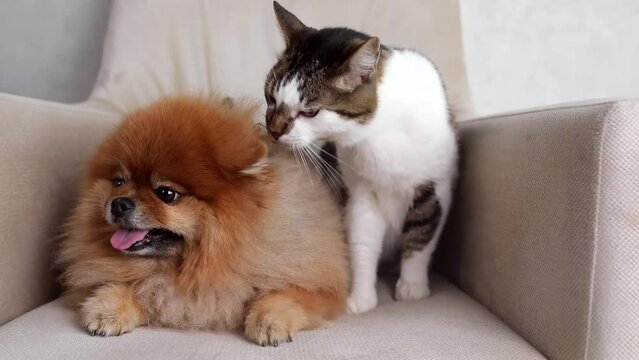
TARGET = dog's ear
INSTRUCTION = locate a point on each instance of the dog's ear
(257, 161)
(236, 144)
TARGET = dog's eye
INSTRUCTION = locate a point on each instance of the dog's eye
(117, 182)
(167, 195)
(309, 113)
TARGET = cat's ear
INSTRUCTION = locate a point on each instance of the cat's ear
(360, 67)
(290, 25)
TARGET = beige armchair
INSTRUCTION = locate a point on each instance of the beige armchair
(538, 260)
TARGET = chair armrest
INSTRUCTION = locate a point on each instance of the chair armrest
(43, 146)
(545, 227)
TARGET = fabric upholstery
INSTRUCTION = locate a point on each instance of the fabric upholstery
(162, 47)
(543, 233)
(545, 226)
(42, 150)
(448, 325)
(614, 327)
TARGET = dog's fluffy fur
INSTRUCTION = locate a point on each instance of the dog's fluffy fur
(259, 249)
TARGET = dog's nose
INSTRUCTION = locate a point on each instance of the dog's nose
(121, 206)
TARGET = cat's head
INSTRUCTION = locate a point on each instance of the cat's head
(324, 83)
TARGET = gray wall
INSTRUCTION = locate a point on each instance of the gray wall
(51, 49)
(527, 53)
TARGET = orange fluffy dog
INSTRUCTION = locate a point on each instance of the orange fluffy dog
(185, 222)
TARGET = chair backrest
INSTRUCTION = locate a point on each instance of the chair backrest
(155, 48)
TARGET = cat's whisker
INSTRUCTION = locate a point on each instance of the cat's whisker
(324, 162)
(332, 176)
(308, 173)
(304, 151)
(336, 158)
(326, 174)
(336, 174)
(333, 173)
(296, 159)
(313, 161)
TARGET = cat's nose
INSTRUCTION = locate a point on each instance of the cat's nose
(274, 133)
(278, 126)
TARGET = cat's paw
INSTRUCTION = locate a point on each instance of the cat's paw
(359, 303)
(407, 290)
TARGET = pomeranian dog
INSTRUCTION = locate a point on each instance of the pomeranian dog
(185, 222)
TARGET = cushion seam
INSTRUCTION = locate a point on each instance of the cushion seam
(606, 114)
(607, 104)
(59, 107)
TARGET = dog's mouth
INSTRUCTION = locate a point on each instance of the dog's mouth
(146, 239)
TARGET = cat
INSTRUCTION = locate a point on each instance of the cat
(386, 111)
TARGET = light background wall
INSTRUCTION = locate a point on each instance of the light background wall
(526, 53)
(519, 54)
(51, 49)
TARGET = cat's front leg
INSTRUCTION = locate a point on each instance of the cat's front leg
(366, 228)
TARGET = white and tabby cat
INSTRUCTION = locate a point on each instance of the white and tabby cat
(385, 110)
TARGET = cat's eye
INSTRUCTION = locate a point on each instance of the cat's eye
(309, 113)
(167, 195)
(118, 181)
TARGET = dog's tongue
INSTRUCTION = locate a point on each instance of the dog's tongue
(123, 239)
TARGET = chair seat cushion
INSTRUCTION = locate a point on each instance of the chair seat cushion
(447, 325)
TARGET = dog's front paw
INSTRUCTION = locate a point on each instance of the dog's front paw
(270, 326)
(110, 312)
(104, 324)
(361, 302)
(406, 290)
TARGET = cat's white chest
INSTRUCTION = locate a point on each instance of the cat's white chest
(408, 142)
(392, 195)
